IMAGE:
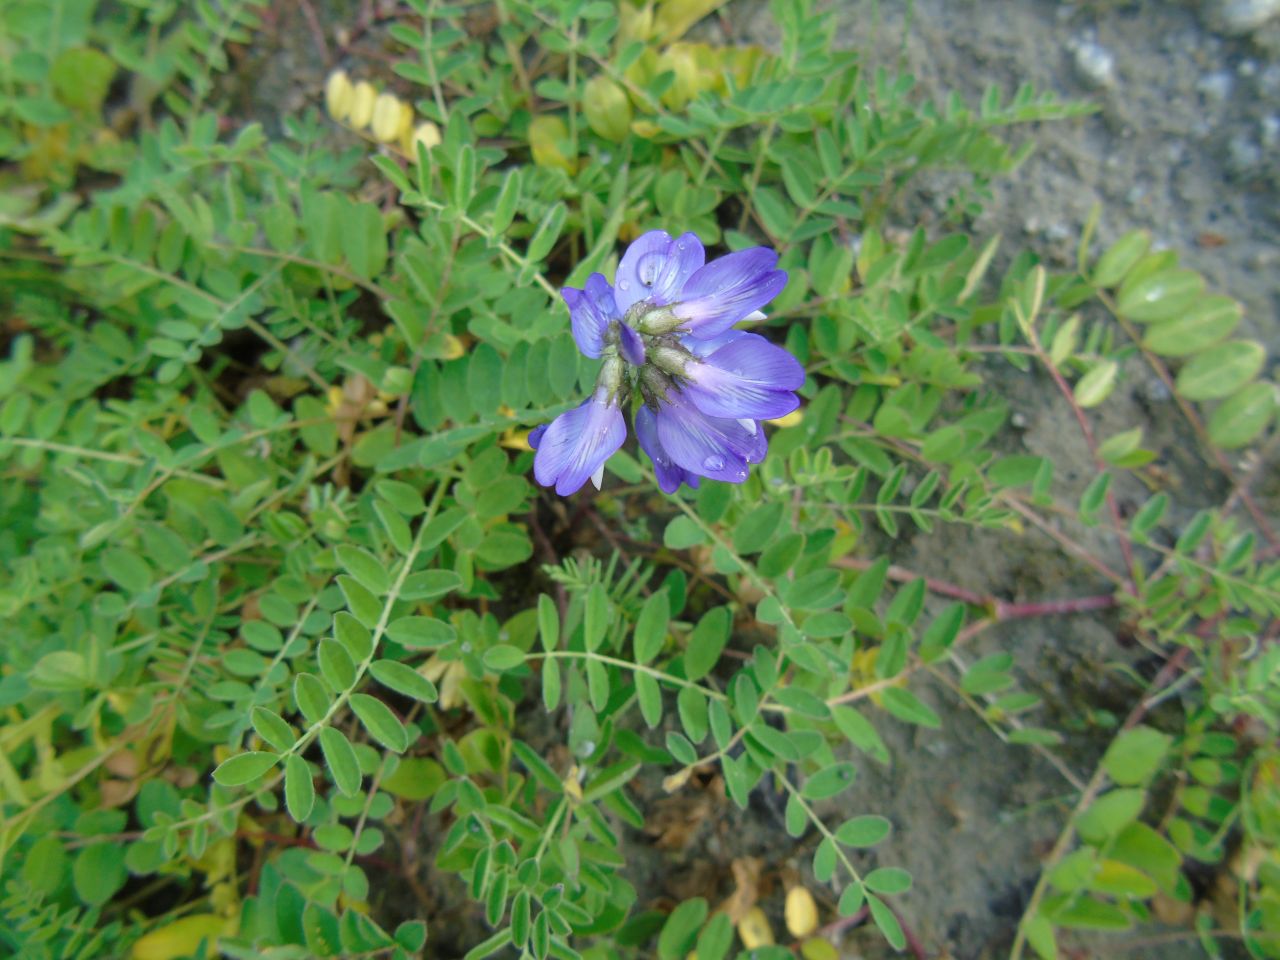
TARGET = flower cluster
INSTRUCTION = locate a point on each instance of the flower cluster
(664, 330)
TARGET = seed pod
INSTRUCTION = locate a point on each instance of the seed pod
(607, 108)
(362, 100)
(338, 95)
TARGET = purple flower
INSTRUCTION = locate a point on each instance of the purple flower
(591, 310)
(665, 327)
(728, 290)
(574, 446)
(742, 376)
(670, 474)
(688, 443)
(655, 268)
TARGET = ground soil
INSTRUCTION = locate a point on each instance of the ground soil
(1184, 144)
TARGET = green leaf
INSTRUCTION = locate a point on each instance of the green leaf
(852, 899)
(1222, 370)
(382, 724)
(692, 707)
(905, 705)
(860, 732)
(335, 665)
(651, 627)
(126, 568)
(681, 929)
(887, 922)
(311, 697)
(754, 531)
(829, 781)
(1243, 417)
(366, 607)
(244, 768)
(550, 684)
(864, 831)
(597, 685)
(404, 679)
(98, 872)
(340, 758)
(534, 763)
(707, 642)
(272, 728)
(716, 938)
(299, 790)
(548, 622)
(503, 657)
(888, 880)
(544, 238)
(1135, 755)
(421, 633)
(682, 533)
(1204, 323)
(608, 780)
(649, 694)
(365, 567)
(1096, 385)
(1109, 814)
(596, 617)
(1161, 296)
(1120, 258)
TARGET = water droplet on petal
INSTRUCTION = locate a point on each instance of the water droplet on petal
(713, 462)
(741, 474)
(624, 284)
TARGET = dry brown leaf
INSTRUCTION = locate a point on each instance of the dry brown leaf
(746, 889)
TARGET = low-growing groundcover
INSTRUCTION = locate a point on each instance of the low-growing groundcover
(300, 660)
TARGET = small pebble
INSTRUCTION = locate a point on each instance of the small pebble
(1238, 17)
(1243, 155)
(1094, 62)
(1216, 86)
(1271, 130)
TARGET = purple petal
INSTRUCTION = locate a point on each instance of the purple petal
(655, 267)
(535, 435)
(727, 289)
(590, 311)
(577, 443)
(704, 348)
(669, 475)
(748, 377)
(714, 447)
(630, 345)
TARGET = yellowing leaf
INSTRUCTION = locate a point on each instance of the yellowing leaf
(182, 937)
(674, 17)
(548, 137)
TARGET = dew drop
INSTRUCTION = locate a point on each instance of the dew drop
(740, 474)
(624, 284)
(713, 462)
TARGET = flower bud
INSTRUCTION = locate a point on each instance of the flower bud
(338, 95)
(362, 100)
(386, 118)
(607, 108)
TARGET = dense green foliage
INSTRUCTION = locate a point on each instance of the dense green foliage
(275, 585)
